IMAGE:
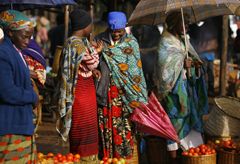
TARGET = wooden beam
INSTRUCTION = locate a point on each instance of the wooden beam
(223, 66)
(66, 21)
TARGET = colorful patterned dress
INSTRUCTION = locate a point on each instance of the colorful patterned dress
(184, 99)
(126, 89)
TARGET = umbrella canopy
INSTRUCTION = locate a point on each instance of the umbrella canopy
(154, 12)
(152, 119)
(39, 2)
(31, 4)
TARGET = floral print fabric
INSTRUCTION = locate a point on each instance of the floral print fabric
(127, 88)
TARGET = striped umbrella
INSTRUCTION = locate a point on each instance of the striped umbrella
(154, 12)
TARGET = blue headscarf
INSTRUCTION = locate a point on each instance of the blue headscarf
(117, 20)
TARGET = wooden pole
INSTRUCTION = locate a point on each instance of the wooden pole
(66, 21)
(92, 15)
(223, 66)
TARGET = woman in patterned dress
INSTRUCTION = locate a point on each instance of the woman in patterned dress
(183, 95)
(121, 88)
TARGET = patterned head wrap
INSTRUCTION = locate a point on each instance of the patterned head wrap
(117, 20)
(15, 20)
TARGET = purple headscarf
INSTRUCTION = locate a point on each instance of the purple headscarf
(34, 50)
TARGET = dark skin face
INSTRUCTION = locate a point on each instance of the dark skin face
(179, 28)
(117, 34)
(21, 38)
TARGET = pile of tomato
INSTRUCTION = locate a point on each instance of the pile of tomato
(107, 160)
(202, 149)
(58, 158)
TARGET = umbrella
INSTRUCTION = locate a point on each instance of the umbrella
(154, 12)
(152, 119)
(38, 2)
(32, 4)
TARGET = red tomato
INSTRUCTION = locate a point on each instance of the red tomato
(213, 151)
(185, 153)
(59, 155)
(60, 159)
(105, 159)
(69, 158)
(76, 160)
(203, 151)
(191, 150)
(197, 150)
(55, 161)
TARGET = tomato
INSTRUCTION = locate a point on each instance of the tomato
(50, 155)
(115, 160)
(213, 151)
(185, 153)
(40, 155)
(191, 150)
(60, 159)
(105, 162)
(109, 160)
(69, 158)
(69, 154)
(190, 154)
(59, 155)
(202, 146)
(105, 159)
(77, 156)
(203, 150)
(76, 160)
(195, 154)
(197, 150)
(55, 161)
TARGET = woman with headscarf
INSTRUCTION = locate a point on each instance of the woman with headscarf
(17, 97)
(77, 103)
(181, 85)
(121, 88)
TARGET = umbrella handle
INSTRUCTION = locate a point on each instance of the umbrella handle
(184, 32)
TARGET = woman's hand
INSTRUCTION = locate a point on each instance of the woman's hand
(98, 45)
(97, 74)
